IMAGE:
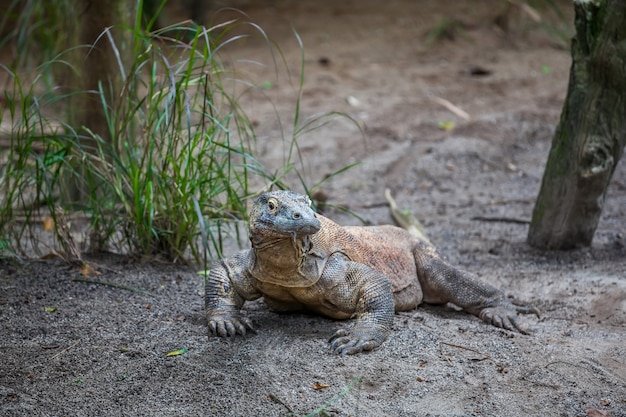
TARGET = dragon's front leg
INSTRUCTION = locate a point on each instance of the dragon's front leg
(368, 295)
(223, 301)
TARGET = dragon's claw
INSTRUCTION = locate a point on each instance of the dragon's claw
(348, 343)
(505, 316)
(229, 325)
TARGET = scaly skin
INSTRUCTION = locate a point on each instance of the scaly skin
(302, 261)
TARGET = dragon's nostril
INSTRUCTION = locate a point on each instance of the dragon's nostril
(296, 216)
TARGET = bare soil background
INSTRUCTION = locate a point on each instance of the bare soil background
(102, 351)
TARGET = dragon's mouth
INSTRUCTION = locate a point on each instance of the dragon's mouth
(298, 227)
(310, 229)
(307, 225)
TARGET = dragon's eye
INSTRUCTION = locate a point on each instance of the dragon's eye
(272, 204)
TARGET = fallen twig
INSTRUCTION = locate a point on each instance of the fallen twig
(72, 254)
(445, 356)
(110, 284)
(534, 15)
(64, 350)
(279, 401)
(406, 219)
(452, 108)
(501, 219)
(467, 348)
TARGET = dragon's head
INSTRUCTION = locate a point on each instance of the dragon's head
(283, 213)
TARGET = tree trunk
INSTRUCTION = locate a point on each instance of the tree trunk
(591, 134)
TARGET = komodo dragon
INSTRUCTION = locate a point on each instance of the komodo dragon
(302, 261)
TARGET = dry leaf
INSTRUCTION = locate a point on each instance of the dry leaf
(353, 101)
(177, 353)
(317, 385)
(446, 125)
(48, 224)
(88, 270)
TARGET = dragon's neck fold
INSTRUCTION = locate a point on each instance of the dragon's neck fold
(286, 261)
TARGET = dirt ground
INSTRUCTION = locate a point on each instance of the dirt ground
(70, 348)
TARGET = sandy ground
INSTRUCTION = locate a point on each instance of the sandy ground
(70, 348)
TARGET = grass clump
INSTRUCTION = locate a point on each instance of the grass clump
(179, 143)
(29, 162)
(171, 171)
(176, 142)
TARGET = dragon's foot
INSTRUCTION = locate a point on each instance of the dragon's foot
(505, 316)
(227, 325)
(358, 339)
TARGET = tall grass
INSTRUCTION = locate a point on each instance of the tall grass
(33, 26)
(179, 140)
(30, 160)
(175, 163)
(177, 137)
